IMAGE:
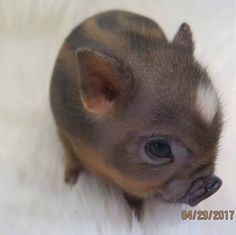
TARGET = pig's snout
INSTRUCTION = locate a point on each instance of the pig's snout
(201, 189)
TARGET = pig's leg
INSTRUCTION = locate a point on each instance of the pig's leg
(73, 166)
(136, 204)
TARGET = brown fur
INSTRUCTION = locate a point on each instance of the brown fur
(117, 82)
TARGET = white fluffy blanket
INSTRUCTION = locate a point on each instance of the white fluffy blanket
(33, 197)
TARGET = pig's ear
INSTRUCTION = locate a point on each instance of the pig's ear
(183, 38)
(100, 81)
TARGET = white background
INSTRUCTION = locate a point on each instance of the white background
(33, 197)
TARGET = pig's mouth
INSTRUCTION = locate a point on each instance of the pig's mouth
(201, 189)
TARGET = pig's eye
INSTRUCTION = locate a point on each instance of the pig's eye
(158, 148)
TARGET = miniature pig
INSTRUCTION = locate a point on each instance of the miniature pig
(135, 109)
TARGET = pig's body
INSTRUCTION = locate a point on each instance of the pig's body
(117, 84)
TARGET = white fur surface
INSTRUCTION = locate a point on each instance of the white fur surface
(33, 198)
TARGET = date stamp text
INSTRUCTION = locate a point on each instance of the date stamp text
(207, 214)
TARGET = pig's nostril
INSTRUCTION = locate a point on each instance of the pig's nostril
(213, 184)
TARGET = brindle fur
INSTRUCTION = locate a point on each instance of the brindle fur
(160, 81)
